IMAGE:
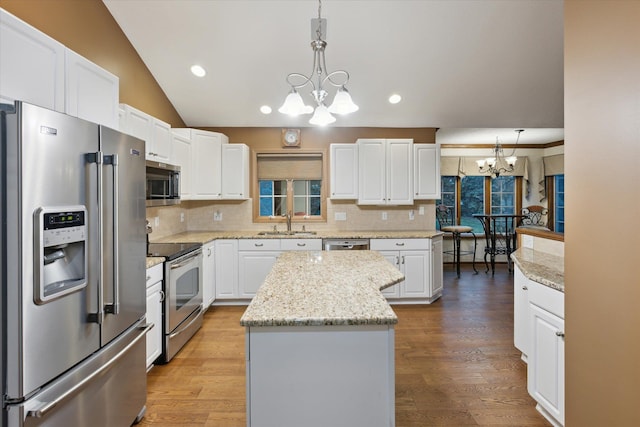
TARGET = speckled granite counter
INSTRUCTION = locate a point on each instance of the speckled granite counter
(207, 236)
(324, 288)
(154, 260)
(541, 267)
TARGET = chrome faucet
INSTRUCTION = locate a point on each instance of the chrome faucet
(288, 215)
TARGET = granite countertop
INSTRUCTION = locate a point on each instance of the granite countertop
(154, 260)
(324, 288)
(207, 236)
(541, 267)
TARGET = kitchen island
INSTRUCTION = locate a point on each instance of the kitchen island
(320, 342)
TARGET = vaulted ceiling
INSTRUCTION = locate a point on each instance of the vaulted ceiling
(484, 66)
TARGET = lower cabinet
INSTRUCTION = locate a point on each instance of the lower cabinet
(226, 269)
(208, 274)
(256, 257)
(155, 296)
(545, 361)
(420, 262)
(521, 312)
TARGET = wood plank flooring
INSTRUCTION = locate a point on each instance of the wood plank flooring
(455, 364)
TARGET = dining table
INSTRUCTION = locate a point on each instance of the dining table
(500, 236)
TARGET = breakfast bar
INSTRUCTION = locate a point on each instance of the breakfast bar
(320, 342)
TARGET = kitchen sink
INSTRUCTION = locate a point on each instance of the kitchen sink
(287, 233)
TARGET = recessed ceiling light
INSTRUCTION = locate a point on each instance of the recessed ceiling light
(198, 71)
(395, 98)
(265, 109)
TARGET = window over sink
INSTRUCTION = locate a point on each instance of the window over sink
(290, 183)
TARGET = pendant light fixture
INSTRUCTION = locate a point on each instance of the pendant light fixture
(342, 103)
(498, 164)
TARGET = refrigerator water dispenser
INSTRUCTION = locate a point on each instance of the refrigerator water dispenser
(61, 252)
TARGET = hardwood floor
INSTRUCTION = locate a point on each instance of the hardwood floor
(455, 364)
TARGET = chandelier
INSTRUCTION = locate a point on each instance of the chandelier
(498, 164)
(342, 103)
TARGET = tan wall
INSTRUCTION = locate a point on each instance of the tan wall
(87, 27)
(602, 130)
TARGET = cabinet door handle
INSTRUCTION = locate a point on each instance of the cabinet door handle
(402, 259)
(161, 296)
(560, 334)
(208, 251)
(302, 244)
(258, 244)
(397, 260)
(399, 244)
(524, 288)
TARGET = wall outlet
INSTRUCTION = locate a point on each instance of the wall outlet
(384, 216)
(340, 216)
(181, 216)
(421, 210)
(156, 221)
(412, 215)
(217, 216)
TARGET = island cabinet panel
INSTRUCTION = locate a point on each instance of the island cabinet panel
(521, 312)
(420, 260)
(318, 376)
(208, 274)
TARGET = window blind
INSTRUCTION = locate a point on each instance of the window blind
(290, 166)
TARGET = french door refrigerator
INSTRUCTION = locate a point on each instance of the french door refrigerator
(73, 271)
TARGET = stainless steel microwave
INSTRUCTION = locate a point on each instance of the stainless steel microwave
(163, 184)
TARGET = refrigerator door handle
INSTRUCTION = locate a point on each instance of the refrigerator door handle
(114, 307)
(98, 159)
(48, 406)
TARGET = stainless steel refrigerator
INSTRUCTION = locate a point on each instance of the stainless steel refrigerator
(73, 271)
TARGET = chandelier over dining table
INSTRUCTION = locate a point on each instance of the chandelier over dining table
(342, 103)
(498, 164)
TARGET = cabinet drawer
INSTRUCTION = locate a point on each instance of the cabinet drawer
(400, 244)
(259, 244)
(154, 274)
(549, 299)
(301, 244)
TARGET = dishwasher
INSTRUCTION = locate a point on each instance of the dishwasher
(345, 244)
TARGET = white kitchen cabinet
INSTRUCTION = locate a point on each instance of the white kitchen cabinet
(155, 296)
(208, 274)
(154, 132)
(521, 312)
(256, 257)
(385, 171)
(415, 259)
(545, 367)
(301, 244)
(181, 156)
(206, 162)
(235, 171)
(426, 171)
(91, 92)
(226, 270)
(343, 166)
(31, 65)
(437, 279)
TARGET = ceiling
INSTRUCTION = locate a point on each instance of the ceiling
(469, 67)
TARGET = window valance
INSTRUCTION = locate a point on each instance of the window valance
(553, 165)
(467, 166)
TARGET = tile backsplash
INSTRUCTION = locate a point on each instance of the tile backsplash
(238, 215)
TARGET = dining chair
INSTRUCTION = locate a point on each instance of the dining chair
(447, 222)
(536, 217)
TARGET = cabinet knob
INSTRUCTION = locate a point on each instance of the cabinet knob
(524, 288)
(161, 296)
(560, 334)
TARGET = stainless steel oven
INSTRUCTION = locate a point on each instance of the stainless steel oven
(182, 307)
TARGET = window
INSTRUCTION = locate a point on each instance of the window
(558, 208)
(290, 182)
(471, 195)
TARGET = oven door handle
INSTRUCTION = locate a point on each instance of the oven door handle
(185, 261)
(181, 330)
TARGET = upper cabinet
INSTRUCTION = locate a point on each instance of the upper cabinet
(155, 133)
(344, 171)
(385, 171)
(91, 92)
(181, 156)
(31, 65)
(235, 171)
(426, 171)
(39, 70)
